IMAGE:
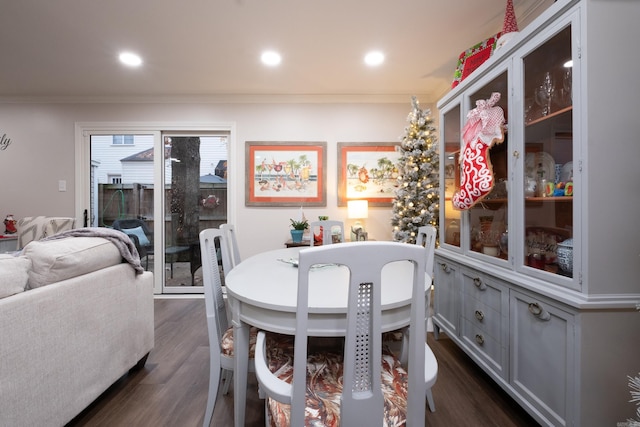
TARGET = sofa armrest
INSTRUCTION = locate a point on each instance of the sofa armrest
(64, 344)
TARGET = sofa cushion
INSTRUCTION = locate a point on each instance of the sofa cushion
(60, 259)
(14, 274)
(38, 227)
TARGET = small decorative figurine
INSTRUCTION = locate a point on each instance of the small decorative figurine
(10, 224)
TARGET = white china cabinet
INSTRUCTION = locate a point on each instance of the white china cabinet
(539, 281)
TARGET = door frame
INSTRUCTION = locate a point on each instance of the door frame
(83, 131)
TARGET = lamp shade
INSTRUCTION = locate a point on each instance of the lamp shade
(358, 209)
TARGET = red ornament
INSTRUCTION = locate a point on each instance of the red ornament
(510, 23)
(10, 224)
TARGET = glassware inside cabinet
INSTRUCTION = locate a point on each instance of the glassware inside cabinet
(451, 128)
(488, 218)
(548, 162)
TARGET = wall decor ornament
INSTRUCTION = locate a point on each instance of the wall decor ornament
(285, 173)
(4, 142)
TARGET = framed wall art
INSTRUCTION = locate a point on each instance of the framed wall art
(286, 173)
(367, 171)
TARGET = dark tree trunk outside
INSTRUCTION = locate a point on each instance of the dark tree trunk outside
(185, 190)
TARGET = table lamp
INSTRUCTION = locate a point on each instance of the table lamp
(358, 210)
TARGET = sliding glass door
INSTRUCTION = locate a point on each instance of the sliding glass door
(195, 186)
(160, 188)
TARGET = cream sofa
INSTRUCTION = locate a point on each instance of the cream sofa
(73, 319)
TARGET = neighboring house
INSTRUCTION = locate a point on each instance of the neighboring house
(128, 159)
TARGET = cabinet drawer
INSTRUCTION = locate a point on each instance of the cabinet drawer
(485, 347)
(483, 317)
(485, 290)
(447, 281)
(543, 354)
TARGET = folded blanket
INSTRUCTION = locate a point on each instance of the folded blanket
(121, 240)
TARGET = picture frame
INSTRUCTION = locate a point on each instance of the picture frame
(285, 174)
(367, 171)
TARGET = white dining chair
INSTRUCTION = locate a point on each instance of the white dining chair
(360, 384)
(232, 256)
(426, 237)
(326, 228)
(220, 333)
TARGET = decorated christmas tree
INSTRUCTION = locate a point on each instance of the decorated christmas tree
(417, 201)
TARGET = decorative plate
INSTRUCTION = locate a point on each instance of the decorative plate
(566, 174)
(531, 162)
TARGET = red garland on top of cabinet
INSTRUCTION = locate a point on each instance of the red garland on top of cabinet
(477, 54)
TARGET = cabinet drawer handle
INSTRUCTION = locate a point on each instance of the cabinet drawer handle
(445, 268)
(479, 339)
(479, 315)
(478, 283)
(537, 310)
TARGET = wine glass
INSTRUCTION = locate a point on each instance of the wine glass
(504, 242)
(566, 87)
(544, 93)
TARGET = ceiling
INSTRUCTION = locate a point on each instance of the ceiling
(67, 49)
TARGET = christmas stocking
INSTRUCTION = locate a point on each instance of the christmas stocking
(482, 130)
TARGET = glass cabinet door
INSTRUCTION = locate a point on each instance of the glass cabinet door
(548, 156)
(451, 123)
(488, 228)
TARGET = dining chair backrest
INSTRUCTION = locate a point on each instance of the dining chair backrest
(326, 229)
(216, 313)
(362, 396)
(232, 256)
(427, 237)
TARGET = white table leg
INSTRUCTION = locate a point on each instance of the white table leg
(241, 354)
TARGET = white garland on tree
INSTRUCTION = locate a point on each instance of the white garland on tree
(417, 200)
(634, 385)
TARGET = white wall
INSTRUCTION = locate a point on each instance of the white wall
(42, 152)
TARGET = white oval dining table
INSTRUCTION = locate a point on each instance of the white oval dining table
(262, 292)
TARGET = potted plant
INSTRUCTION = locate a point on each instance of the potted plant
(298, 229)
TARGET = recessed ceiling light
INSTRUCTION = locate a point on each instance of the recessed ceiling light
(271, 58)
(130, 59)
(374, 58)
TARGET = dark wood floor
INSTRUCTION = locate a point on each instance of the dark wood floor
(171, 390)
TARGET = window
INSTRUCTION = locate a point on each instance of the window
(122, 140)
(115, 179)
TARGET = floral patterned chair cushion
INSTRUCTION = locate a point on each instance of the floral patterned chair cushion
(227, 342)
(324, 386)
(284, 342)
